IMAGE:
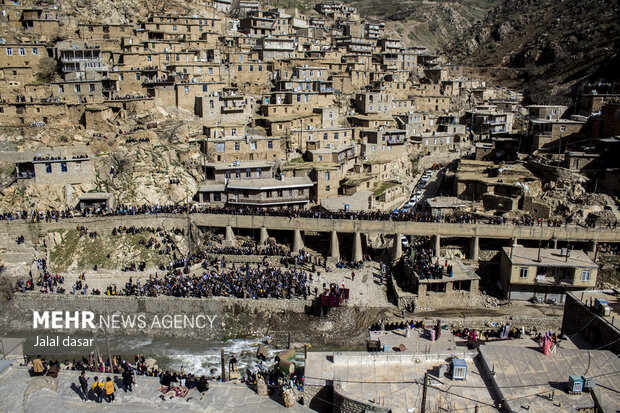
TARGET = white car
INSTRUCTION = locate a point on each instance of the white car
(418, 192)
(410, 204)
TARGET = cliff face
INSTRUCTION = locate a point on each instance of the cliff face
(546, 46)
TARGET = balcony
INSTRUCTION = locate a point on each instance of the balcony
(396, 141)
(276, 201)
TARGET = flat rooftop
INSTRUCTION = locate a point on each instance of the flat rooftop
(393, 381)
(525, 378)
(548, 257)
(20, 392)
(459, 272)
(588, 297)
(446, 202)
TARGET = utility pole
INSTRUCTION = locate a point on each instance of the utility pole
(424, 389)
(107, 340)
(223, 363)
(189, 231)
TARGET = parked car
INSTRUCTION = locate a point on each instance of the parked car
(404, 241)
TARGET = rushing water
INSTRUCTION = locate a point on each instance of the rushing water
(200, 357)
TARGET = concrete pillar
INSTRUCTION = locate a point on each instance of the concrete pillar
(554, 244)
(229, 241)
(397, 248)
(334, 246)
(356, 254)
(592, 246)
(263, 236)
(437, 245)
(474, 248)
(298, 242)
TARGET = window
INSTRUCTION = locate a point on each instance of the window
(320, 158)
(325, 136)
(585, 275)
(227, 174)
(327, 176)
(210, 70)
(260, 68)
(174, 27)
(63, 167)
(48, 168)
(149, 58)
(9, 51)
(77, 88)
(22, 51)
(237, 146)
(61, 89)
(328, 188)
(251, 68)
(186, 89)
(204, 88)
(248, 173)
(336, 135)
(91, 87)
(220, 147)
(562, 128)
(523, 272)
(238, 173)
(35, 51)
(268, 194)
(253, 146)
(239, 68)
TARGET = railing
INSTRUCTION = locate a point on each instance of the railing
(268, 201)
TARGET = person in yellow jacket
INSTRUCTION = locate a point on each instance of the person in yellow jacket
(37, 366)
(109, 389)
(98, 389)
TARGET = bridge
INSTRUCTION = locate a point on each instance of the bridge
(333, 227)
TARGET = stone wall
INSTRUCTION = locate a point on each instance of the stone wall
(346, 404)
(236, 317)
(578, 318)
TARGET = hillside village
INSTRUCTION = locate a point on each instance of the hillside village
(315, 183)
(244, 105)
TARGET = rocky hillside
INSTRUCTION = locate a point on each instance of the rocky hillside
(547, 46)
(432, 24)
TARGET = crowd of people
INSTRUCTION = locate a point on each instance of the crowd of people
(47, 282)
(241, 282)
(247, 248)
(421, 261)
(405, 216)
(104, 388)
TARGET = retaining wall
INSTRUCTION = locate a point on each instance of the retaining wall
(578, 318)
